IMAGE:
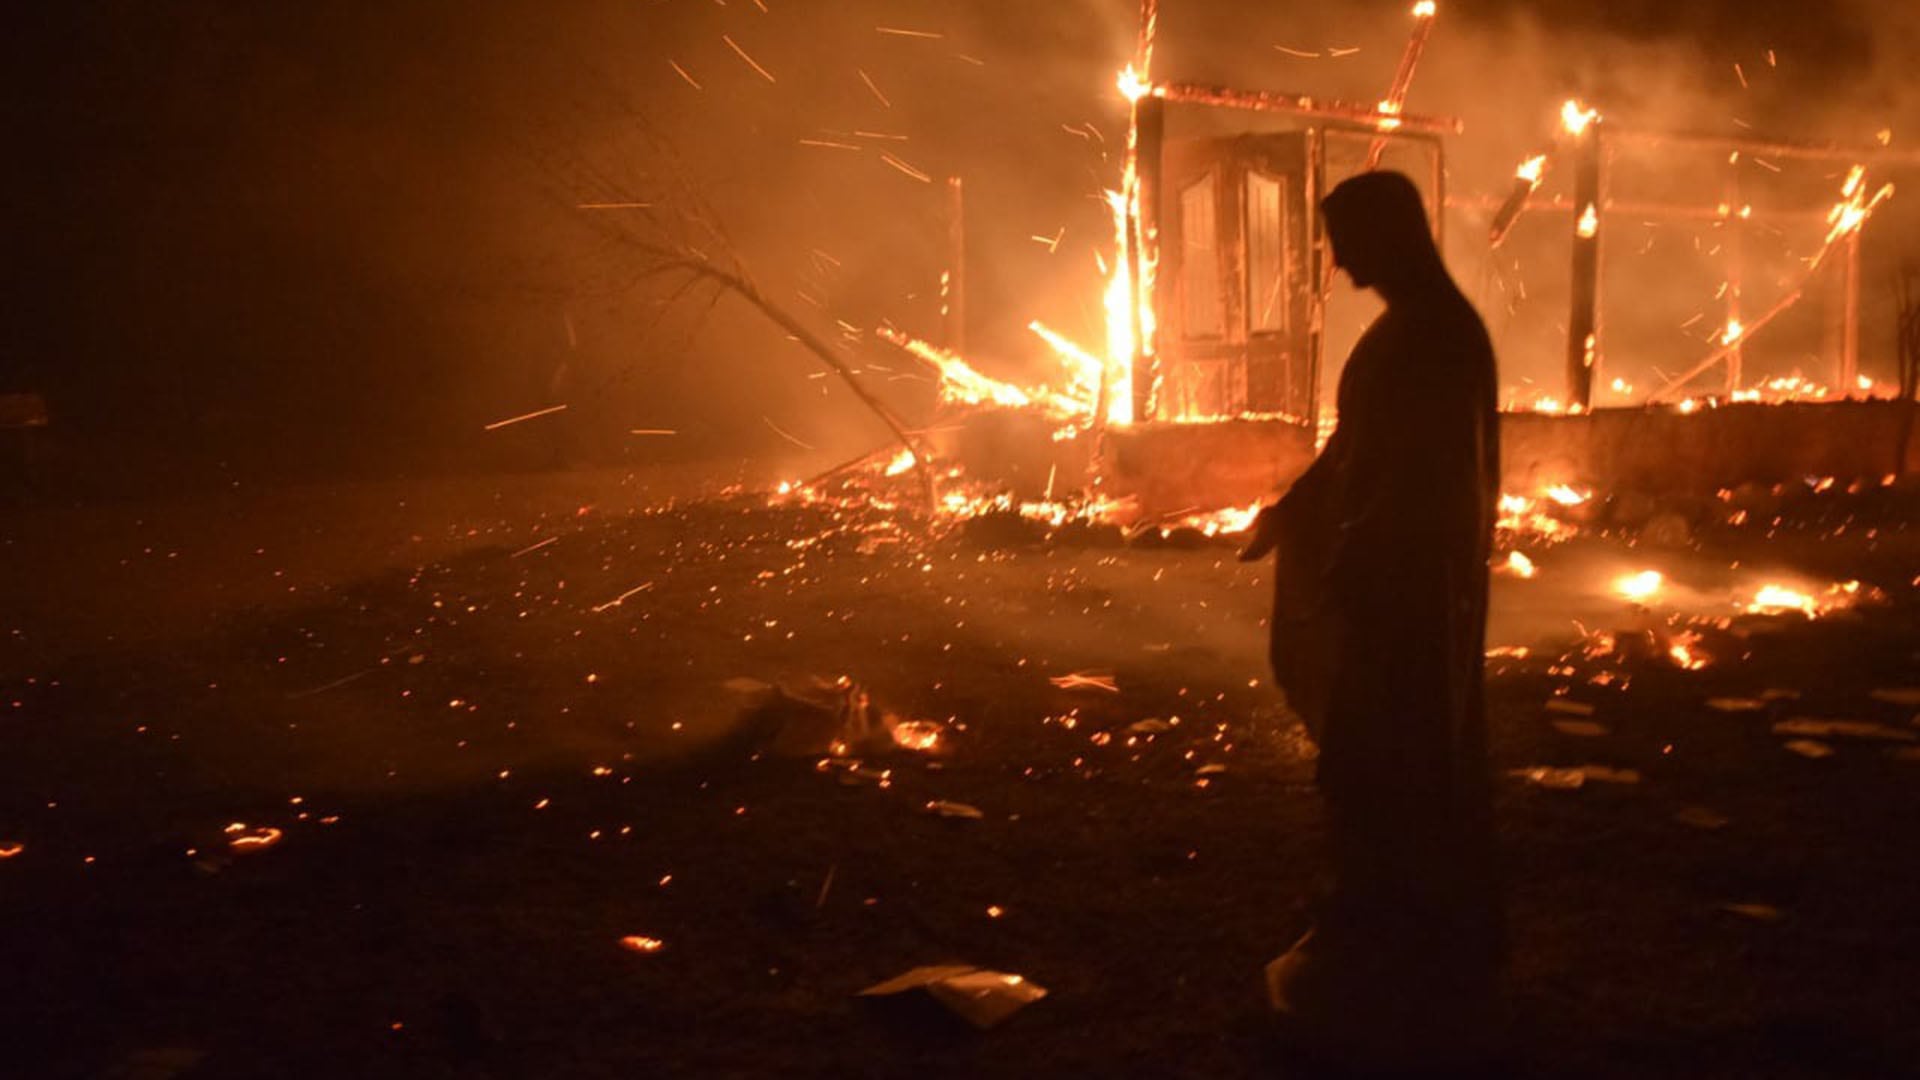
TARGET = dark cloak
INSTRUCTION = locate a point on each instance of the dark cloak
(1381, 594)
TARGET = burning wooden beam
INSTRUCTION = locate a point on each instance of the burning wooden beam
(1583, 318)
(1305, 105)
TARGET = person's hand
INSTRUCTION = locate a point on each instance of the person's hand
(1264, 536)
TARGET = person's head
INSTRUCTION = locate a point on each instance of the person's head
(1377, 226)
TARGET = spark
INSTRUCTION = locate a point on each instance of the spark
(622, 598)
(785, 435)
(651, 431)
(870, 86)
(691, 81)
(1301, 53)
(751, 62)
(898, 32)
(549, 410)
(826, 143)
(906, 168)
(531, 548)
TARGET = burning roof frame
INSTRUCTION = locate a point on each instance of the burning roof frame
(1593, 141)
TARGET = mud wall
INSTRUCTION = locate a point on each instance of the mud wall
(1665, 451)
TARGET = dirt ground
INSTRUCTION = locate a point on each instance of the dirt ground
(489, 719)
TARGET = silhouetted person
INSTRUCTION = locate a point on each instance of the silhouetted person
(1379, 631)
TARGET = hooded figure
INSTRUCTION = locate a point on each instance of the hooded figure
(1379, 634)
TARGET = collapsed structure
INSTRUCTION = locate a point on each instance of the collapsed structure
(1209, 393)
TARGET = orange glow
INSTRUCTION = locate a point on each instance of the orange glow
(1577, 118)
(243, 839)
(1589, 225)
(641, 943)
(917, 735)
(1639, 587)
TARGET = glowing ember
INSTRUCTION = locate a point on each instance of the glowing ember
(1520, 566)
(1085, 680)
(641, 943)
(1639, 587)
(243, 839)
(9, 850)
(917, 735)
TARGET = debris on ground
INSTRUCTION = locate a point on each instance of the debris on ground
(1809, 748)
(1765, 913)
(981, 997)
(1700, 817)
(959, 810)
(1844, 729)
(1573, 778)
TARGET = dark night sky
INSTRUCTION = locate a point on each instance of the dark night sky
(335, 234)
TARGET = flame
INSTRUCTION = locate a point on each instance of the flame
(1683, 655)
(1520, 566)
(1732, 332)
(1639, 587)
(1775, 599)
(1225, 522)
(641, 943)
(1425, 9)
(1567, 496)
(1533, 170)
(961, 384)
(901, 462)
(1577, 118)
(1589, 225)
(1133, 84)
(1854, 207)
(1389, 118)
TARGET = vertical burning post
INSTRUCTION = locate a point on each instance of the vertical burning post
(1133, 394)
(1395, 102)
(1583, 320)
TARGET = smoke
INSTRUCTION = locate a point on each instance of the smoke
(360, 223)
